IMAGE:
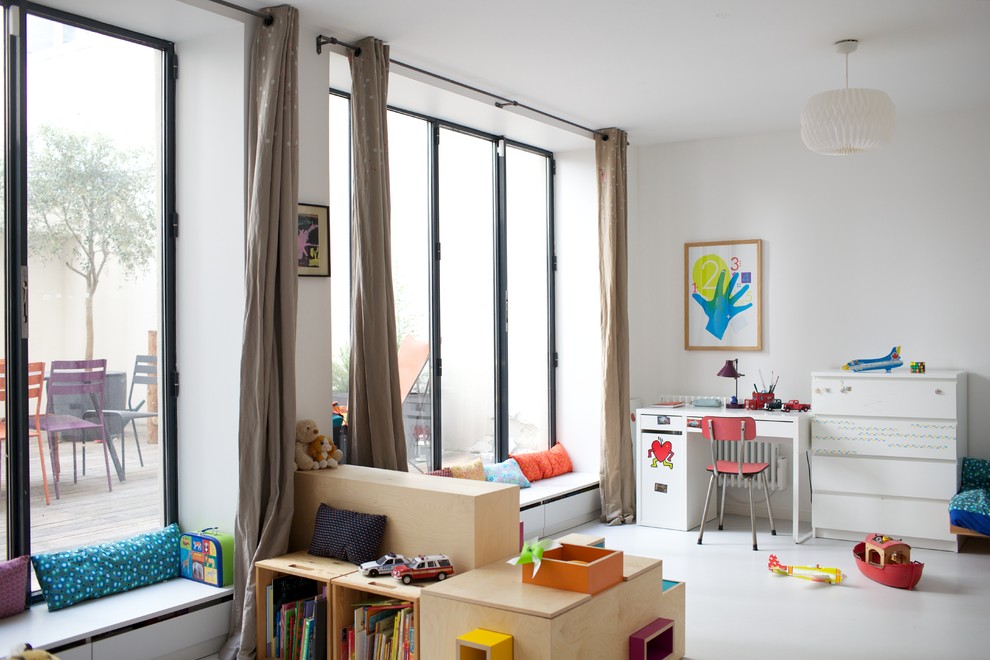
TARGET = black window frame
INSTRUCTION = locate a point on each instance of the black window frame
(500, 264)
(17, 278)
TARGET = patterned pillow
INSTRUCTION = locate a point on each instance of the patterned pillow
(347, 535)
(14, 592)
(473, 470)
(70, 577)
(535, 464)
(544, 464)
(507, 472)
(442, 472)
(560, 462)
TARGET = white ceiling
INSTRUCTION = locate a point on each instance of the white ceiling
(671, 70)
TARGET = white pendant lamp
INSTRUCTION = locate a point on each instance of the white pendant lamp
(847, 121)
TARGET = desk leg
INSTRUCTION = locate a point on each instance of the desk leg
(796, 504)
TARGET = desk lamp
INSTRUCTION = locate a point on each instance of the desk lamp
(730, 370)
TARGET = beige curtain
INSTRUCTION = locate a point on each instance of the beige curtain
(268, 375)
(374, 413)
(618, 487)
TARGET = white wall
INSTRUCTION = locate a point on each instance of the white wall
(313, 354)
(210, 272)
(860, 254)
(579, 371)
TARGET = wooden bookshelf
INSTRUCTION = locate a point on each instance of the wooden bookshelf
(320, 569)
(348, 590)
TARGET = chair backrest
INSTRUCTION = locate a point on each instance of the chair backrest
(77, 384)
(719, 429)
(145, 373)
(728, 428)
(36, 382)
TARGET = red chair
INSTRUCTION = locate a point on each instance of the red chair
(70, 383)
(718, 429)
(36, 380)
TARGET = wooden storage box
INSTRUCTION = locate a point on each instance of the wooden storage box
(585, 569)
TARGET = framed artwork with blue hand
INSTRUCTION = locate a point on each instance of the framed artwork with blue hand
(722, 298)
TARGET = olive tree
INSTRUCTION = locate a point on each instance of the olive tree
(90, 202)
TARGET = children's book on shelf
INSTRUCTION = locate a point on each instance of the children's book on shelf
(296, 619)
(381, 631)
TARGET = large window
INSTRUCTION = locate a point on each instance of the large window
(88, 194)
(472, 268)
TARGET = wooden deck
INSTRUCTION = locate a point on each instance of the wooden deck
(87, 512)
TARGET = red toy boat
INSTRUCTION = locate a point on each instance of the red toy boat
(888, 561)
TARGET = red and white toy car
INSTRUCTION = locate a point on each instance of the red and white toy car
(794, 404)
(429, 567)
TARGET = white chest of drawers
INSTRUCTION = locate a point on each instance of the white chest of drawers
(885, 452)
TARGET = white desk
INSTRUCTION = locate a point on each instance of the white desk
(684, 422)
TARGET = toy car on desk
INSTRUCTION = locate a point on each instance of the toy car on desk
(794, 404)
(383, 565)
(773, 404)
(428, 567)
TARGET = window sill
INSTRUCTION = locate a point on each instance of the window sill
(85, 621)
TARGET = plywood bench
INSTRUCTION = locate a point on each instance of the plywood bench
(552, 505)
(474, 522)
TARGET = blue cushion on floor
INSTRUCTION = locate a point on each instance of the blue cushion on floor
(72, 576)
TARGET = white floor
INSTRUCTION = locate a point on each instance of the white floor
(737, 609)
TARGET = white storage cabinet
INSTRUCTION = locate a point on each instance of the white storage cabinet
(670, 490)
(886, 449)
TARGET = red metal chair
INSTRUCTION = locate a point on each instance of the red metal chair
(75, 386)
(36, 380)
(718, 429)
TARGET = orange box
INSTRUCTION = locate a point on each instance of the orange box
(585, 569)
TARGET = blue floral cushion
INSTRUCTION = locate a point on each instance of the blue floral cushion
(507, 472)
(72, 576)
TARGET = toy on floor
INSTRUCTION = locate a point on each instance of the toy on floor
(890, 361)
(25, 652)
(816, 573)
(888, 561)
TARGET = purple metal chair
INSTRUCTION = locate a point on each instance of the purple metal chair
(75, 386)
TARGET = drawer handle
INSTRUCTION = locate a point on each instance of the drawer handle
(846, 388)
(939, 392)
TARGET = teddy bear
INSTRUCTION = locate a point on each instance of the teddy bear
(308, 436)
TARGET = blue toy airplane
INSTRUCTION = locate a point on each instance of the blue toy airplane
(890, 361)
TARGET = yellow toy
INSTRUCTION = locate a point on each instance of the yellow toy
(25, 652)
(816, 573)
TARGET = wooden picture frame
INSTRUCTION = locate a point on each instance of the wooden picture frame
(313, 240)
(723, 296)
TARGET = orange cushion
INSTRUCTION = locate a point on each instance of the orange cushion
(560, 462)
(544, 464)
(533, 464)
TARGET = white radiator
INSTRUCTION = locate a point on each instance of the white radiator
(755, 452)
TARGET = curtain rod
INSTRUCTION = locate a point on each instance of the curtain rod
(501, 103)
(267, 18)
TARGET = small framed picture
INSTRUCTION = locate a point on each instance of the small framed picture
(313, 241)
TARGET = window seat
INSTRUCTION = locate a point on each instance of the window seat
(169, 617)
(552, 505)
